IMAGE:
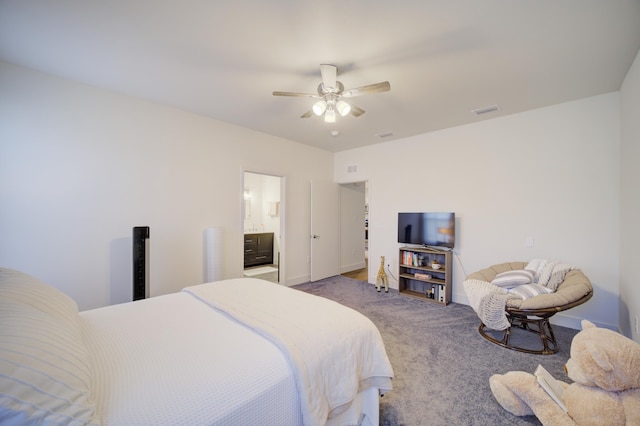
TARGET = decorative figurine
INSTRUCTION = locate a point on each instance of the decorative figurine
(382, 277)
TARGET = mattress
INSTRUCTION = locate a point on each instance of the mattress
(173, 360)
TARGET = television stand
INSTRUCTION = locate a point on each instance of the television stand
(418, 277)
(437, 248)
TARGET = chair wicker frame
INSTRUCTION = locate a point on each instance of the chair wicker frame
(532, 315)
(539, 319)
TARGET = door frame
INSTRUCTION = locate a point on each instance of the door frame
(368, 204)
(352, 226)
(282, 214)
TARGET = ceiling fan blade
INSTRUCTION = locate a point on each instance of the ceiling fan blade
(307, 114)
(304, 95)
(356, 111)
(329, 74)
(370, 88)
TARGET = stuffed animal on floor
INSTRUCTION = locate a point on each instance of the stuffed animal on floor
(381, 279)
(605, 369)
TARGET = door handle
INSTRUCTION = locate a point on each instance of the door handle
(315, 237)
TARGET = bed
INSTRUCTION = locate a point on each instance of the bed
(237, 352)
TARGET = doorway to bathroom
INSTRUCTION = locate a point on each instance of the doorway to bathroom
(263, 225)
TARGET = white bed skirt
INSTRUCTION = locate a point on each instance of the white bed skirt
(365, 411)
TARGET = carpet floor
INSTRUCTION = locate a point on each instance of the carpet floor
(441, 363)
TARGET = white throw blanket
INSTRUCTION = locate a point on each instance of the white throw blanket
(335, 352)
(489, 302)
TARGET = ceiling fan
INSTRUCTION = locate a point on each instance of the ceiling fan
(331, 93)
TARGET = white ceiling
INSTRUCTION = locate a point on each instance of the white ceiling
(223, 59)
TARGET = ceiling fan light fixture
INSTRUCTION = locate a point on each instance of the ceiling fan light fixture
(319, 108)
(343, 108)
(330, 93)
(330, 115)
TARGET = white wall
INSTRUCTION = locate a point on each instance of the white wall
(81, 166)
(630, 203)
(552, 174)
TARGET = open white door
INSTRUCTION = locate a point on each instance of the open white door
(353, 214)
(325, 230)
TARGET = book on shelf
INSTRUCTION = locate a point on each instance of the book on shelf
(550, 385)
(410, 259)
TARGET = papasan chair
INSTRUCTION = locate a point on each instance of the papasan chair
(507, 295)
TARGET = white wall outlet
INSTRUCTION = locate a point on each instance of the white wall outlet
(529, 242)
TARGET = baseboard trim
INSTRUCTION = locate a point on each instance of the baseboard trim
(301, 279)
(353, 267)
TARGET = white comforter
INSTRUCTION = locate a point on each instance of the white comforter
(172, 360)
(335, 351)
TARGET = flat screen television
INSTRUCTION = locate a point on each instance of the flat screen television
(427, 229)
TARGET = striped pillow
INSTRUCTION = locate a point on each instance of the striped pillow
(44, 364)
(510, 279)
(528, 291)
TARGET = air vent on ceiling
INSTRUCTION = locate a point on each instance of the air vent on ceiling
(384, 135)
(486, 110)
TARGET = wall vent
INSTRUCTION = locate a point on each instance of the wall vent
(486, 110)
(384, 135)
(353, 168)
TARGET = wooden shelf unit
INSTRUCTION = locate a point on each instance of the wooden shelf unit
(418, 260)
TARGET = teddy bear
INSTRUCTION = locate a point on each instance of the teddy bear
(605, 369)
